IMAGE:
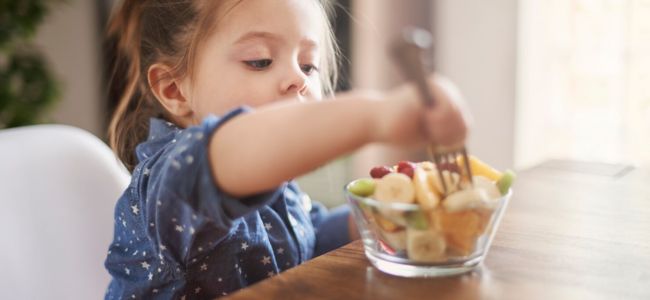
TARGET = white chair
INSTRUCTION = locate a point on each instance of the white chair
(58, 188)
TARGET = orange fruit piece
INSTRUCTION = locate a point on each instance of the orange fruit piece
(386, 224)
(461, 229)
(480, 168)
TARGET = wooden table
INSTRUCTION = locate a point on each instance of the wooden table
(572, 231)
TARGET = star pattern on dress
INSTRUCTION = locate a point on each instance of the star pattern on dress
(292, 220)
(279, 228)
(175, 164)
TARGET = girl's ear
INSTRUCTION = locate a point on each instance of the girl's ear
(167, 89)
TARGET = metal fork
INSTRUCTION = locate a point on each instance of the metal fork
(408, 53)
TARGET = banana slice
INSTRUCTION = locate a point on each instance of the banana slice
(427, 166)
(395, 187)
(490, 189)
(451, 181)
(424, 193)
(466, 199)
(425, 245)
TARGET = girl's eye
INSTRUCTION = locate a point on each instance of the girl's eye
(259, 64)
(308, 69)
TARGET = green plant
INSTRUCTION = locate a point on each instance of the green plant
(27, 86)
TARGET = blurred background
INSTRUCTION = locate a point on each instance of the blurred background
(545, 79)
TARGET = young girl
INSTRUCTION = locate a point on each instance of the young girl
(219, 109)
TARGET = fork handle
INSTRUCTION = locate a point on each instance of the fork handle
(408, 51)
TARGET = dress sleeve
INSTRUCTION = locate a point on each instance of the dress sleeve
(331, 227)
(186, 209)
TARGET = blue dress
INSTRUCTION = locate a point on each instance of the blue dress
(178, 236)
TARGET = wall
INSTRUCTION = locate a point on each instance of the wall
(476, 48)
(71, 41)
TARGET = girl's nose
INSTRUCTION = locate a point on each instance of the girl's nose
(295, 82)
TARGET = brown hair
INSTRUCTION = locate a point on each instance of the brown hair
(144, 32)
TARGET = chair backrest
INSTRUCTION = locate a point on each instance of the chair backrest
(58, 188)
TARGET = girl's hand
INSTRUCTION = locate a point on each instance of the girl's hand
(405, 119)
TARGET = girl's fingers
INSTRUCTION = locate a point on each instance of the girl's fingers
(448, 120)
(447, 126)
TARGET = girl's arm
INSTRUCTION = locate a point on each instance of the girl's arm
(258, 151)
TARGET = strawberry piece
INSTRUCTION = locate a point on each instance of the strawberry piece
(406, 167)
(380, 171)
(384, 246)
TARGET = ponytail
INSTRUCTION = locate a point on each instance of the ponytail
(128, 85)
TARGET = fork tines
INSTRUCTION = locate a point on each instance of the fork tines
(449, 161)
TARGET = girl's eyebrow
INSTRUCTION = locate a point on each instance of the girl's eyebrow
(253, 35)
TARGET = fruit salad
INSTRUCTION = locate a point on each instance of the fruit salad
(428, 225)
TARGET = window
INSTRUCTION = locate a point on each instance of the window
(584, 81)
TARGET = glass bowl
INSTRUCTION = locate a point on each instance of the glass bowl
(404, 240)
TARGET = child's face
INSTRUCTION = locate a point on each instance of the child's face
(261, 51)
